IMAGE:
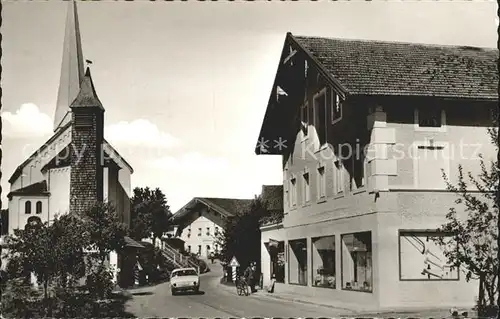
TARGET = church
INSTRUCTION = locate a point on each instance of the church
(76, 167)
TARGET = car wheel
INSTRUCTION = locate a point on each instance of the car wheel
(174, 292)
(196, 290)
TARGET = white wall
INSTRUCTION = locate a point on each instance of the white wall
(58, 181)
(17, 215)
(194, 240)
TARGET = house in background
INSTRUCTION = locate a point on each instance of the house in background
(358, 226)
(201, 220)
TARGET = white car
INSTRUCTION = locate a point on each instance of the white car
(184, 279)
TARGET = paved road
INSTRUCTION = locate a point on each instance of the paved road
(216, 302)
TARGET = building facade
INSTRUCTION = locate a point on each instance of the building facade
(76, 167)
(201, 221)
(366, 130)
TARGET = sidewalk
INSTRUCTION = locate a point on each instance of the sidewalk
(350, 309)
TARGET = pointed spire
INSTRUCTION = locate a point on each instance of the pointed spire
(72, 68)
(87, 97)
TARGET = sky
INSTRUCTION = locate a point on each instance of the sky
(185, 84)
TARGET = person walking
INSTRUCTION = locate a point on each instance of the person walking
(249, 277)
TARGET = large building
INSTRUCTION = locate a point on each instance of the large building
(76, 167)
(358, 226)
(201, 221)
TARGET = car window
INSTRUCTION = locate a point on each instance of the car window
(187, 272)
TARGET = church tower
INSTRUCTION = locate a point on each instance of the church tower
(78, 103)
(72, 71)
(87, 162)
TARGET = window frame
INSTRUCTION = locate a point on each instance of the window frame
(339, 178)
(304, 112)
(363, 163)
(342, 261)
(306, 187)
(289, 251)
(416, 117)
(293, 191)
(38, 207)
(334, 260)
(317, 120)
(335, 100)
(421, 231)
(27, 207)
(321, 181)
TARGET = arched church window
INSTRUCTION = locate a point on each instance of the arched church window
(27, 207)
(39, 207)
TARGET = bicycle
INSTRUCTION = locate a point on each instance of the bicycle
(241, 286)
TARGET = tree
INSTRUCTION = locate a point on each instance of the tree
(474, 244)
(103, 230)
(52, 252)
(4, 221)
(241, 235)
(150, 213)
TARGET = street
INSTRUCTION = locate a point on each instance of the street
(214, 301)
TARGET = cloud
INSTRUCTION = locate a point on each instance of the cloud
(139, 133)
(27, 122)
(192, 163)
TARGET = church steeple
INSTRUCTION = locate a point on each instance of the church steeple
(72, 70)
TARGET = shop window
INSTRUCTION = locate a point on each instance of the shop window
(357, 262)
(297, 265)
(421, 257)
(323, 262)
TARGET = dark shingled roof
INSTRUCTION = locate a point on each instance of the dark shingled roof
(273, 195)
(233, 206)
(39, 188)
(226, 206)
(406, 69)
(87, 97)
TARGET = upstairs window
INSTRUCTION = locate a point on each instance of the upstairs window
(304, 118)
(293, 191)
(216, 232)
(320, 118)
(321, 182)
(208, 231)
(339, 177)
(430, 118)
(358, 167)
(336, 108)
(199, 232)
(306, 190)
(38, 208)
(27, 207)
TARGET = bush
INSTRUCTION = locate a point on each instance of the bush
(100, 282)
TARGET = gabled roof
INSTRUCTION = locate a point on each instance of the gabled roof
(39, 188)
(54, 137)
(366, 67)
(227, 207)
(375, 69)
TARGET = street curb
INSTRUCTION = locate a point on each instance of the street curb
(269, 296)
(350, 312)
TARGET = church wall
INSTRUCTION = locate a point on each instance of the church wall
(125, 190)
(32, 171)
(58, 180)
(17, 214)
(105, 185)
